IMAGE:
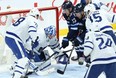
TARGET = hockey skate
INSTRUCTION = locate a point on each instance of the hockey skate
(81, 60)
(87, 64)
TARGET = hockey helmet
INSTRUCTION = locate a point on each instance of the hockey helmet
(79, 8)
(89, 8)
(34, 12)
(50, 31)
(67, 4)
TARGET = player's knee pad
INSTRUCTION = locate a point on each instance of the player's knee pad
(62, 59)
(45, 66)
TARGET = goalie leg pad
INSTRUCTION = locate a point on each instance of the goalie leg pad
(45, 68)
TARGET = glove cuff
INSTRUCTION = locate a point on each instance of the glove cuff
(65, 39)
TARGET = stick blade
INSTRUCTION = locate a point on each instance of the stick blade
(29, 73)
(60, 72)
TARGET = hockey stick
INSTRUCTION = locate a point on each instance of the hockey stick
(52, 56)
(46, 61)
(35, 69)
(62, 72)
(40, 65)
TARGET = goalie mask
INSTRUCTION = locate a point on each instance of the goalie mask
(50, 31)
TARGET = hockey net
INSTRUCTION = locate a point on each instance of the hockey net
(49, 15)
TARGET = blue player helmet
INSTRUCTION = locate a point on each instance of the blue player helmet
(50, 31)
(67, 4)
(79, 8)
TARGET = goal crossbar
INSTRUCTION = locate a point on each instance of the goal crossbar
(40, 9)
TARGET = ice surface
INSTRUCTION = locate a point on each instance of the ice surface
(73, 71)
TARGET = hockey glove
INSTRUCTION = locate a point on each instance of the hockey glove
(77, 41)
(65, 42)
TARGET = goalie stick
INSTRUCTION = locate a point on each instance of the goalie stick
(62, 72)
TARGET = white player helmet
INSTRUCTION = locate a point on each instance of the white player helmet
(34, 12)
(88, 9)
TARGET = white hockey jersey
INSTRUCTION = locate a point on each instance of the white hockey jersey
(100, 47)
(100, 20)
(24, 29)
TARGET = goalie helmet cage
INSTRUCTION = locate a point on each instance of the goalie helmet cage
(41, 10)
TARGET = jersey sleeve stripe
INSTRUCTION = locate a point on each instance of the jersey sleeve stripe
(104, 59)
(75, 25)
(105, 27)
(88, 47)
(19, 67)
(89, 42)
(32, 31)
(18, 71)
(32, 27)
(65, 39)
